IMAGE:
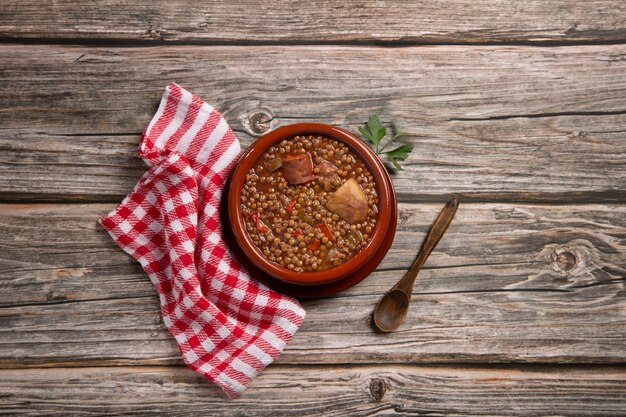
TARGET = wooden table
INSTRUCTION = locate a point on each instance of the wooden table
(517, 107)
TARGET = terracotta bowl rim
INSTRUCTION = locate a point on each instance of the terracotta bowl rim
(386, 198)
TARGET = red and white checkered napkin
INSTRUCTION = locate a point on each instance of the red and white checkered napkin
(227, 325)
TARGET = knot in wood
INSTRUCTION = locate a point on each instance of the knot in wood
(54, 297)
(378, 388)
(577, 262)
(564, 259)
(259, 122)
(153, 33)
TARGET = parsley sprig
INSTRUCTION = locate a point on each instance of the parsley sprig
(375, 132)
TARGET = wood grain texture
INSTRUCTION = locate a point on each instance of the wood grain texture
(530, 273)
(297, 21)
(490, 123)
(522, 283)
(319, 391)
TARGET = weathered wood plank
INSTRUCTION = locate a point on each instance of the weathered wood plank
(319, 391)
(297, 21)
(55, 253)
(507, 123)
(529, 283)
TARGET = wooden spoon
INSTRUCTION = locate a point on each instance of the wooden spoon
(391, 310)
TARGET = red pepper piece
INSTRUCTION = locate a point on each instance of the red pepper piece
(290, 206)
(296, 232)
(260, 226)
(314, 244)
(325, 230)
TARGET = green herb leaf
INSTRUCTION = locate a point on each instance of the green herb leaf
(401, 152)
(376, 129)
(397, 131)
(396, 164)
(366, 134)
(374, 132)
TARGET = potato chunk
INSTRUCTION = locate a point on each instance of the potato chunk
(298, 169)
(349, 202)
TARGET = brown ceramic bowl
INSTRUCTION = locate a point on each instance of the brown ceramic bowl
(386, 205)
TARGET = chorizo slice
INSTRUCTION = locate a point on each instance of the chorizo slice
(298, 169)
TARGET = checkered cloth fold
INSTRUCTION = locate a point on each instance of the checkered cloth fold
(227, 325)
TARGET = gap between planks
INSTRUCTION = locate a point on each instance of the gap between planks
(407, 43)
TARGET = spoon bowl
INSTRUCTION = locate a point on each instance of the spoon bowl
(391, 310)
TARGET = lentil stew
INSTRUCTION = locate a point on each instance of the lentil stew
(309, 203)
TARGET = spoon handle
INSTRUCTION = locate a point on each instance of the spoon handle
(435, 234)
